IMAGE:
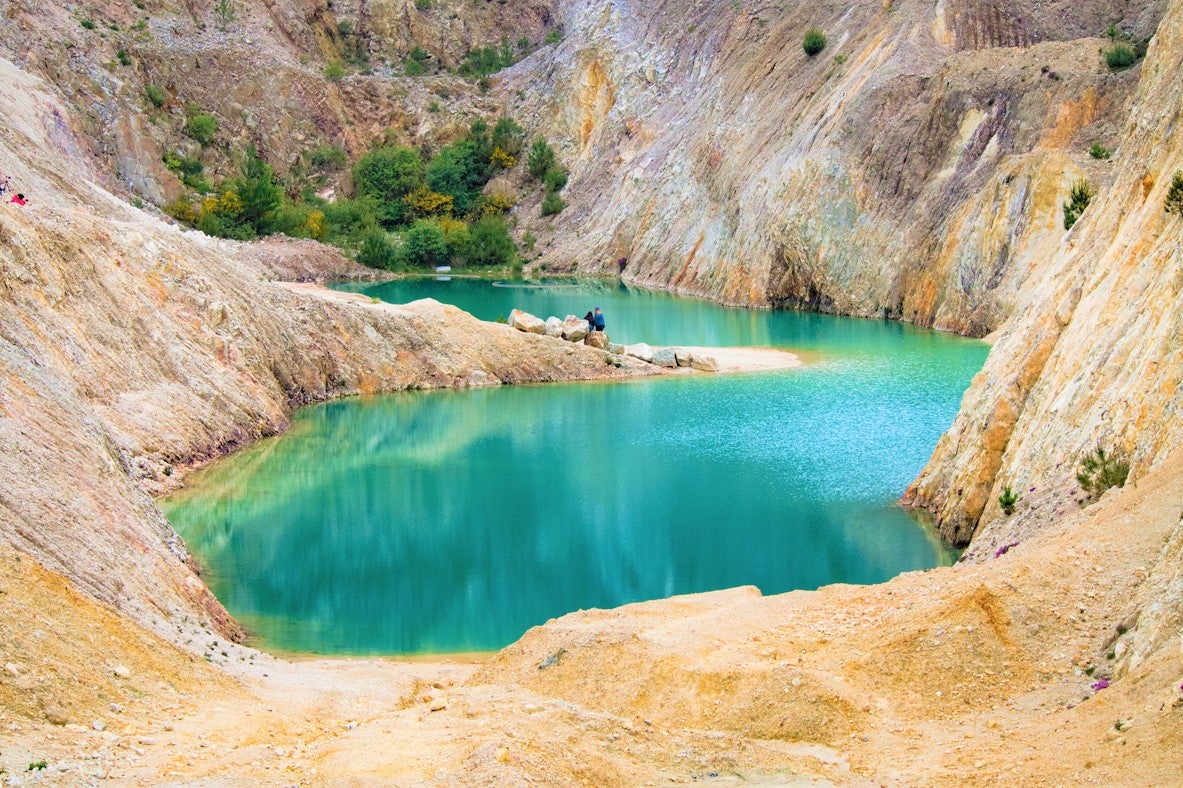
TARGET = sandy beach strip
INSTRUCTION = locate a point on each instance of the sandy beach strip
(749, 359)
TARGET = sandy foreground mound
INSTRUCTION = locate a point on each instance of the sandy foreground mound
(989, 673)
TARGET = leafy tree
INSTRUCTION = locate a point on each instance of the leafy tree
(388, 175)
(508, 136)
(349, 220)
(377, 251)
(541, 159)
(259, 191)
(489, 243)
(424, 245)
(814, 41)
(457, 172)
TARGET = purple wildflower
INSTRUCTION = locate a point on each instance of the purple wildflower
(1002, 550)
(1100, 685)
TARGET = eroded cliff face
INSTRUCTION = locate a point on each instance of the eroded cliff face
(129, 347)
(1094, 353)
(914, 169)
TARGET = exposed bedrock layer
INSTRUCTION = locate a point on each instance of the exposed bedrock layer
(1093, 355)
(914, 169)
(129, 346)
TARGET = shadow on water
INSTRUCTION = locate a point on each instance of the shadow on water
(454, 521)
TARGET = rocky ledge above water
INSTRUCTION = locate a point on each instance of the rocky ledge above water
(576, 329)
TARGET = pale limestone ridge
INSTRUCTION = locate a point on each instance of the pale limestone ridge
(1094, 354)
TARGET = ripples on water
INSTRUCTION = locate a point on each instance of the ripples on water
(450, 521)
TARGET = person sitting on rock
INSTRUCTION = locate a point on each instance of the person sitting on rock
(597, 321)
(19, 199)
(591, 320)
(4, 180)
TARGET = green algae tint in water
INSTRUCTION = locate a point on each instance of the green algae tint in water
(454, 521)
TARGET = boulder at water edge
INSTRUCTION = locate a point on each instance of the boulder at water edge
(704, 363)
(554, 327)
(615, 348)
(641, 351)
(524, 321)
(597, 339)
(664, 357)
(682, 356)
(574, 328)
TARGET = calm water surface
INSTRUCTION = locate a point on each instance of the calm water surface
(453, 521)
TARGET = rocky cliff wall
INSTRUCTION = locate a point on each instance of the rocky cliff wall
(1094, 354)
(911, 170)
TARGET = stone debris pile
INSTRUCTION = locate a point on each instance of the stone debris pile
(576, 329)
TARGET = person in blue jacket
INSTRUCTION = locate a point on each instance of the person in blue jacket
(597, 320)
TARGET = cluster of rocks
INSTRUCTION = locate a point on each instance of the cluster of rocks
(576, 329)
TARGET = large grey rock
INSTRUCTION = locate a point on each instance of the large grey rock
(574, 328)
(664, 357)
(524, 321)
(554, 327)
(597, 339)
(704, 363)
(682, 356)
(640, 350)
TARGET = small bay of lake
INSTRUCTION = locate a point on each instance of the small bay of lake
(434, 522)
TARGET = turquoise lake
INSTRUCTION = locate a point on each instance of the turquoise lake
(434, 522)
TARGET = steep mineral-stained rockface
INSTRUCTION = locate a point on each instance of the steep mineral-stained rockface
(129, 346)
(262, 75)
(914, 169)
(1094, 353)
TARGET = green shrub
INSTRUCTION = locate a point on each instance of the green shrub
(508, 135)
(388, 174)
(1007, 500)
(350, 220)
(202, 127)
(553, 37)
(87, 23)
(528, 241)
(482, 61)
(814, 41)
(377, 251)
(123, 58)
(1100, 470)
(433, 106)
(1120, 56)
(1174, 203)
(555, 179)
(416, 63)
(424, 5)
(334, 71)
(459, 171)
(1079, 199)
(1099, 151)
(541, 159)
(489, 243)
(424, 245)
(155, 95)
(552, 203)
(327, 157)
